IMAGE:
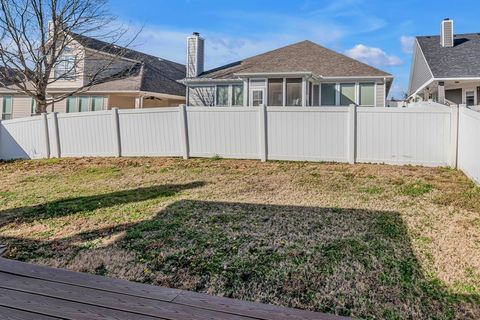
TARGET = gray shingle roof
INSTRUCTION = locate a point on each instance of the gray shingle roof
(156, 75)
(304, 56)
(461, 60)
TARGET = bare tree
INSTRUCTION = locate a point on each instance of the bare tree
(41, 43)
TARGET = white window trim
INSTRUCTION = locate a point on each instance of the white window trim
(2, 105)
(90, 103)
(374, 94)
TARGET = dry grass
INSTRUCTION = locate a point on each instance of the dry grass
(371, 241)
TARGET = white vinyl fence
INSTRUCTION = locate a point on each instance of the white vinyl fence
(469, 143)
(420, 136)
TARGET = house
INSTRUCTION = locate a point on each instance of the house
(301, 74)
(446, 67)
(148, 81)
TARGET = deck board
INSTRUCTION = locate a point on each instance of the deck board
(30, 291)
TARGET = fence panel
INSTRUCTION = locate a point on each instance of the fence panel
(23, 138)
(419, 136)
(150, 132)
(314, 134)
(86, 134)
(230, 132)
(469, 143)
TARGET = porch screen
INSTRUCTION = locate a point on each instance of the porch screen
(237, 95)
(275, 92)
(347, 93)
(328, 94)
(294, 92)
(222, 95)
(367, 94)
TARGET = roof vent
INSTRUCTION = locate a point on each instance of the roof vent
(446, 33)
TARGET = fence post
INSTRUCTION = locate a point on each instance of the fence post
(56, 132)
(116, 133)
(454, 119)
(262, 131)
(183, 131)
(352, 133)
(46, 135)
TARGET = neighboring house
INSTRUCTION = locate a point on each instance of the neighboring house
(149, 82)
(301, 74)
(446, 68)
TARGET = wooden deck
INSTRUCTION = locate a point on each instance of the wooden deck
(30, 291)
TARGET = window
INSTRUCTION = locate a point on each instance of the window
(97, 103)
(347, 94)
(65, 67)
(33, 107)
(201, 96)
(7, 108)
(470, 98)
(294, 92)
(71, 104)
(237, 95)
(329, 94)
(367, 94)
(257, 97)
(84, 104)
(315, 94)
(222, 96)
(275, 92)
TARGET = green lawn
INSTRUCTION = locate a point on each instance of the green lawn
(370, 241)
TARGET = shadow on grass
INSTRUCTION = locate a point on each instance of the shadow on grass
(70, 206)
(345, 261)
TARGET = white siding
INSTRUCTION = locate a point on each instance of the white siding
(380, 95)
(469, 143)
(224, 131)
(317, 134)
(404, 136)
(420, 72)
(22, 106)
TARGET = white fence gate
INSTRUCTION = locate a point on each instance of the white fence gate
(420, 136)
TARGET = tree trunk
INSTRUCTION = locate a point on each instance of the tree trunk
(41, 107)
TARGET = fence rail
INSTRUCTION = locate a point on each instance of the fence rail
(421, 136)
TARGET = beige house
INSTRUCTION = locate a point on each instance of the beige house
(301, 74)
(149, 82)
(446, 68)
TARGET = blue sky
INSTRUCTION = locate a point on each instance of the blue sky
(375, 31)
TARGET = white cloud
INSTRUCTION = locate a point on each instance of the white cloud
(373, 56)
(407, 43)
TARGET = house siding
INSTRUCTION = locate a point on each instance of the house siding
(420, 72)
(380, 95)
(201, 96)
(22, 106)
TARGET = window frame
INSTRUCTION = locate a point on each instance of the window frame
(68, 72)
(89, 105)
(374, 87)
(280, 81)
(335, 95)
(227, 86)
(7, 116)
(302, 91)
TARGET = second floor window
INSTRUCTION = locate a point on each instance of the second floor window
(65, 68)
